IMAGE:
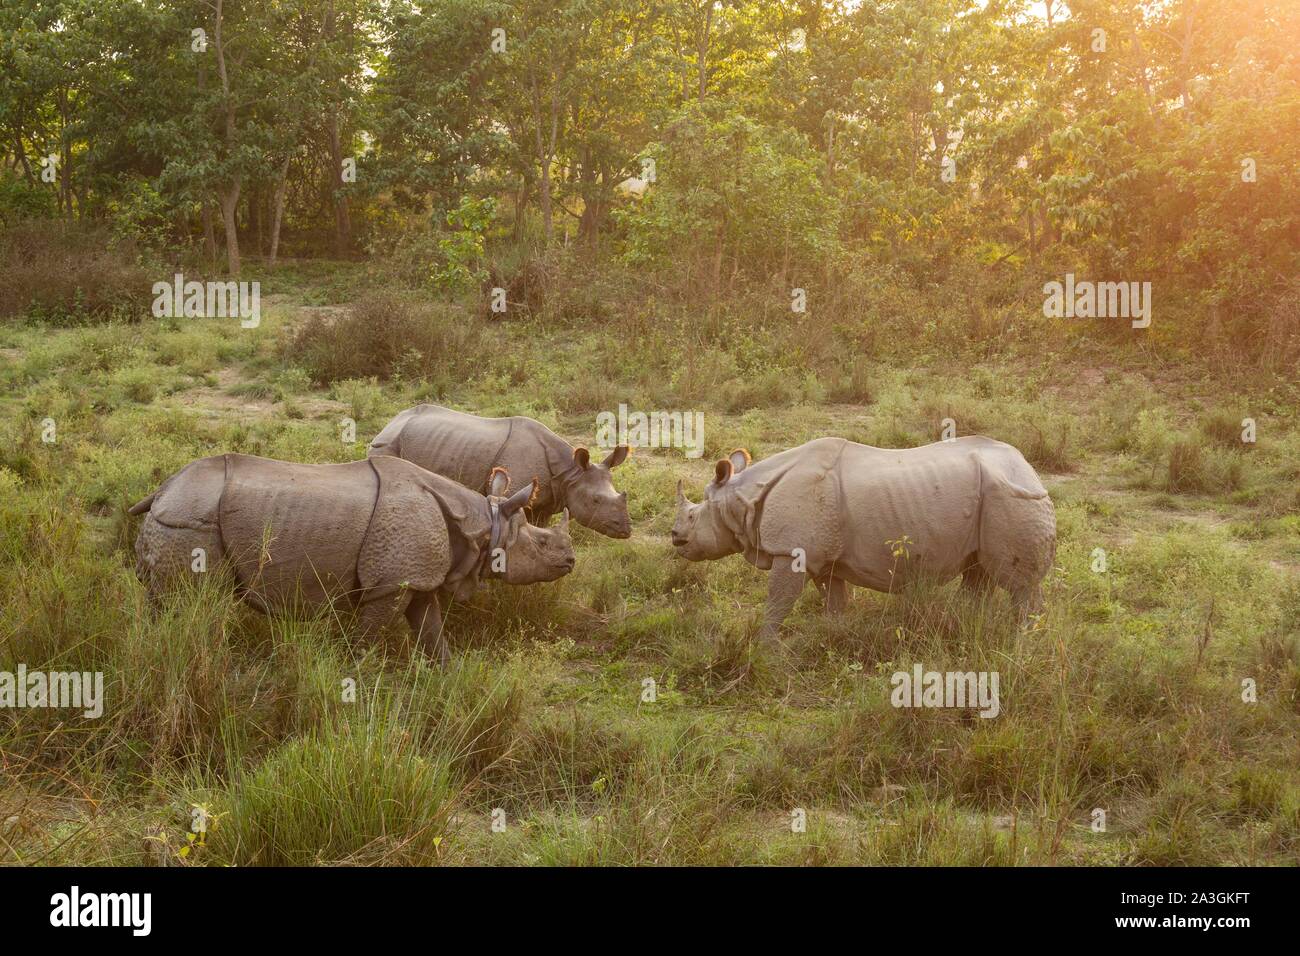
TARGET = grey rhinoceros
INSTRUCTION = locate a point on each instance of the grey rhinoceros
(843, 513)
(383, 535)
(466, 448)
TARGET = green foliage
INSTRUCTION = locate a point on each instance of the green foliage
(461, 267)
(730, 196)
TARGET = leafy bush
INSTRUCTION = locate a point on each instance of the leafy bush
(742, 197)
(20, 200)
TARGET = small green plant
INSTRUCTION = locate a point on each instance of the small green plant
(462, 267)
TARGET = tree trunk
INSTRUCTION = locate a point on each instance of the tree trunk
(718, 246)
(830, 149)
(342, 214)
(209, 233)
(65, 157)
(277, 211)
(544, 161)
(256, 206)
(589, 221)
(702, 51)
(229, 195)
(1185, 58)
(521, 204)
(229, 211)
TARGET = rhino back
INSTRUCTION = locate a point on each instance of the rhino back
(850, 506)
(295, 531)
(789, 501)
(465, 448)
(1005, 463)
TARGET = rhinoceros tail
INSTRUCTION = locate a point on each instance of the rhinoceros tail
(140, 507)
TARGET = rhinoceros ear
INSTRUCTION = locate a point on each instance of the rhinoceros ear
(739, 460)
(564, 522)
(722, 472)
(616, 457)
(519, 499)
(498, 482)
(582, 458)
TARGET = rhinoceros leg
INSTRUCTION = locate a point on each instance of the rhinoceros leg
(836, 596)
(835, 591)
(424, 614)
(378, 610)
(784, 586)
(1028, 601)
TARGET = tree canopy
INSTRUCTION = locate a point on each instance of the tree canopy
(717, 142)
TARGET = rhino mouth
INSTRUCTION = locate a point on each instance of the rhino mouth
(619, 527)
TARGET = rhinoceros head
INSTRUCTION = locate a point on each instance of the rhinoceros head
(589, 493)
(699, 532)
(532, 554)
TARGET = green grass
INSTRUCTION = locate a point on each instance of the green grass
(1126, 697)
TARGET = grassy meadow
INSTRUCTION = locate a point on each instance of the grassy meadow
(1126, 696)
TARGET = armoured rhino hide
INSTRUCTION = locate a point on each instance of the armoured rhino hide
(849, 507)
(465, 448)
(295, 532)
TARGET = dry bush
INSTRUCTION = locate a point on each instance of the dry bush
(67, 272)
(1223, 429)
(1192, 470)
(386, 335)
